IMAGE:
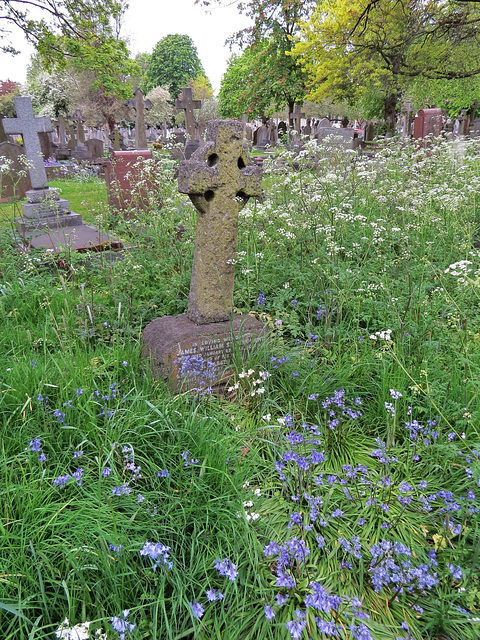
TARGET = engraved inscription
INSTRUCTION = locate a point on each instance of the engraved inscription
(219, 349)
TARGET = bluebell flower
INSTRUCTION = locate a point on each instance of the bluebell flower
(122, 490)
(269, 613)
(261, 300)
(121, 626)
(61, 481)
(78, 476)
(456, 572)
(158, 552)
(213, 596)
(226, 568)
(197, 609)
(106, 472)
(281, 598)
(42, 457)
(35, 445)
(295, 628)
(77, 454)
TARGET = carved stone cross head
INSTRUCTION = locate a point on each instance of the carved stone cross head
(296, 116)
(219, 178)
(188, 104)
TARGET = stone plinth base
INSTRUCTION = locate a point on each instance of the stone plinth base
(70, 219)
(173, 344)
(84, 238)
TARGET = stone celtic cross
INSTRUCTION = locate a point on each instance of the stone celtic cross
(29, 127)
(139, 104)
(219, 179)
(188, 104)
(296, 117)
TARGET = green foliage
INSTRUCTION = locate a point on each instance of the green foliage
(173, 62)
(233, 87)
(7, 103)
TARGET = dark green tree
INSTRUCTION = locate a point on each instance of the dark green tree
(173, 62)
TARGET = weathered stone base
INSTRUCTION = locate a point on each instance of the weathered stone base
(25, 224)
(173, 341)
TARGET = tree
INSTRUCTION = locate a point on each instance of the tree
(84, 33)
(8, 91)
(162, 109)
(274, 78)
(232, 94)
(174, 61)
(353, 47)
(201, 88)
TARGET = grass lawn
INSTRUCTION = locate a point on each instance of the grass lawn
(86, 198)
(332, 490)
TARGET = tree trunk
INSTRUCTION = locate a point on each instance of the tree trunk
(390, 111)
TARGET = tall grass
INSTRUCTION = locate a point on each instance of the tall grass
(345, 458)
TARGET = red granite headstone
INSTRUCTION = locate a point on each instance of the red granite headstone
(427, 121)
(127, 181)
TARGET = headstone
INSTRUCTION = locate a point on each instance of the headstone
(282, 129)
(80, 151)
(95, 148)
(261, 137)
(127, 186)
(369, 131)
(3, 135)
(296, 118)
(116, 139)
(407, 119)
(15, 181)
(324, 124)
(427, 121)
(219, 179)
(307, 129)
(188, 104)
(464, 123)
(139, 104)
(46, 145)
(47, 220)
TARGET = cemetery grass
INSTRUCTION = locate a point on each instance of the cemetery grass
(86, 197)
(331, 489)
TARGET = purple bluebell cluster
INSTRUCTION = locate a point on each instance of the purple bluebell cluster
(121, 626)
(226, 568)
(157, 552)
(35, 445)
(195, 370)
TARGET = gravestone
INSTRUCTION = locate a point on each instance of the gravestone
(46, 145)
(407, 118)
(15, 181)
(127, 185)
(47, 220)
(95, 148)
(282, 129)
(427, 121)
(79, 151)
(3, 135)
(261, 137)
(296, 118)
(62, 152)
(324, 124)
(188, 104)
(116, 139)
(369, 131)
(139, 104)
(219, 179)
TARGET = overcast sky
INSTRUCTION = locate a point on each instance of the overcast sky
(147, 22)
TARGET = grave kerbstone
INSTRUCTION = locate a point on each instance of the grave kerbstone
(219, 179)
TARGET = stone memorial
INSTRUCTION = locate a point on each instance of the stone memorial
(139, 104)
(80, 151)
(3, 135)
(427, 122)
(219, 179)
(407, 118)
(95, 148)
(296, 118)
(188, 104)
(47, 220)
(324, 124)
(127, 188)
(261, 137)
(116, 140)
(15, 182)
(338, 137)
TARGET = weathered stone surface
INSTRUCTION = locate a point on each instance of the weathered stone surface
(95, 148)
(219, 179)
(15, 181)
(29, 127)
(139, 104)
(168, 342)
(188, 104)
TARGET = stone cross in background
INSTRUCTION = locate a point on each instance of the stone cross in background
(219, 179)
(29, 127)
(296, 117)
(188, 104)
(78, 119)
(139, 104)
